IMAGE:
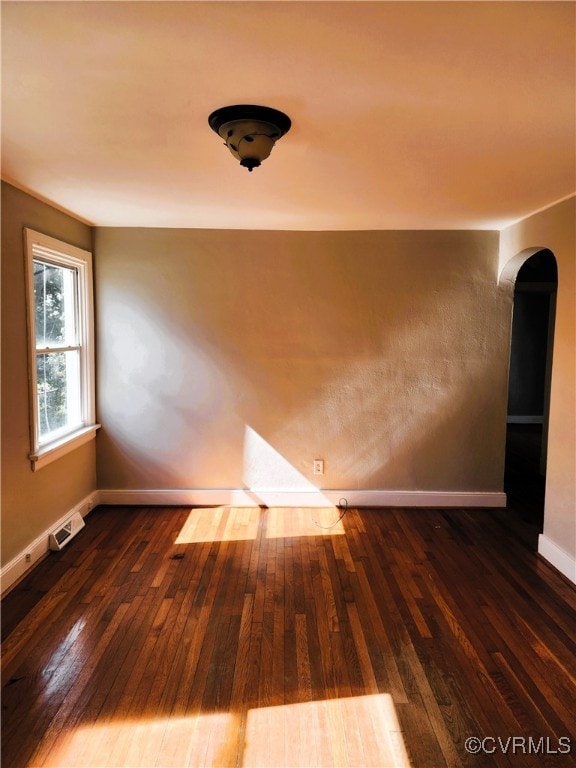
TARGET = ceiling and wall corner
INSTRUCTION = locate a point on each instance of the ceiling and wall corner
(406, 115)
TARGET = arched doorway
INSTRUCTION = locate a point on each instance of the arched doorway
(531, 346)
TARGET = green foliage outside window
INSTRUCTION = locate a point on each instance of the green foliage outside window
(54, 291)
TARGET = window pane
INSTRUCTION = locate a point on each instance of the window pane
(58, 377)
(54, 305)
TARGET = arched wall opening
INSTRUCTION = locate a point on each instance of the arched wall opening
(530, 280)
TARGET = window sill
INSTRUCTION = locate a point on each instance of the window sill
(55, 450)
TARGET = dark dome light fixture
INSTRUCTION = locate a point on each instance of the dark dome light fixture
(249, 131)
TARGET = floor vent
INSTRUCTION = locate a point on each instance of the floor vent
(61, 536)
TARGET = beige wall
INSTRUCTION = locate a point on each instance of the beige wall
(232, 359)
(555, 229)
(31, 501)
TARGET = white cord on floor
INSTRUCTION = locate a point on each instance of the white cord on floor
(340, 505)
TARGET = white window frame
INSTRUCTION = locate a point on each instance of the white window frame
(52, 251)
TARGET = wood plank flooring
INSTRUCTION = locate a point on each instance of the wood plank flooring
(254, 637)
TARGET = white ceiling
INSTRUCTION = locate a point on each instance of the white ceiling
(405, 115)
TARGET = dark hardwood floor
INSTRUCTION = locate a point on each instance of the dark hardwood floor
(253, 637)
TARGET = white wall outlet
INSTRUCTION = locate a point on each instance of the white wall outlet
(318, 467)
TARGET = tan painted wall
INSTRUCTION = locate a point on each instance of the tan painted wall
(232, 359)
(555, 229)
(31, 501)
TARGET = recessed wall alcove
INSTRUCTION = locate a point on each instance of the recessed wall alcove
(532, 280)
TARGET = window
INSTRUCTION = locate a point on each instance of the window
(60, 321)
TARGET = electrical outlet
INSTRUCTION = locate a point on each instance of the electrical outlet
(28, 557)
(318, 467)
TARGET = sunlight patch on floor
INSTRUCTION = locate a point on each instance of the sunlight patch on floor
(202, 740)
(220, 524)
(207, 524)
(354, 732)
(360, 731)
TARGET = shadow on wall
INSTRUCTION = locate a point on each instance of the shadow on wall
(393, 385)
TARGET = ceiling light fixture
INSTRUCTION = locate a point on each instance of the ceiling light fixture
(249, 131)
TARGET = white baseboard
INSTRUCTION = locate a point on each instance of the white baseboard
(557, 557)
(20, 565)
(317, 498)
